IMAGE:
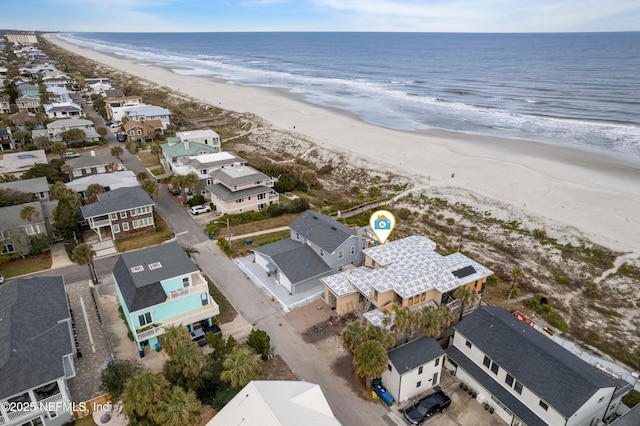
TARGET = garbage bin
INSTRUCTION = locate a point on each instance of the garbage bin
(141, 352)
(211, 235)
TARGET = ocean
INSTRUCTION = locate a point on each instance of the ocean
(578, 89)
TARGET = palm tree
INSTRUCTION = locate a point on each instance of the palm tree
(142, 176)
(59, 148)
(66, 168)
(432, 320)
(179, 408)
(370, 360)
(516, 276)
(28, 213)
(240, 367)
(185, 366)
(404, 321)
(83, 254)
(92, 192)
(190, 181)
(191, 251)
(173, 338)
(387, 339)
(113, 167)
(466, 296)
(150, 187)
(353, 336)
(177, 183)
(117, 151)
(156, 149)
(142, 392)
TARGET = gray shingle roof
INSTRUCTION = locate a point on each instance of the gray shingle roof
(556, 375)
(232, 176)
(33, 340)
(225, 194)
(28, 185)
(143, 289)
(322, 230)
(91, 161)
(117, 200)
(414, 354)
(10, 216)
(295, 260)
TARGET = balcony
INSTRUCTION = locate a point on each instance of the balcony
(187, 318)
(99, 223)
(199, 288)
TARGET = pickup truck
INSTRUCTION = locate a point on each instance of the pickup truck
(437, 402)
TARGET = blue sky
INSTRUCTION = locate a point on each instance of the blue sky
(322, 15)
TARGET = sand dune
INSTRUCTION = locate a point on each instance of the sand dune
(595, 192)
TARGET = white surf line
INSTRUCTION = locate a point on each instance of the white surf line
(86, 321)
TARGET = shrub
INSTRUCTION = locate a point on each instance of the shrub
(298, 205)
(196, 200)
(450, 221)
(116, 374)
(260, 342)
(224, 246)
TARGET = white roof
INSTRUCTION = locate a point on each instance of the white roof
(14, 162)
(408, 266)
(70, 122)
(211, 158)
(115, 180)
(147, 110)
(277, 403)
(197, 134)
(48, 107)
(58, 90)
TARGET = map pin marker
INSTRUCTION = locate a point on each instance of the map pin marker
(382, 223)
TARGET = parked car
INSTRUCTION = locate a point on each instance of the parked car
(172, 190)
(199, 337)
(121, 137)
(437, 402)
(1, 279)
(196, 210)
(68, 155)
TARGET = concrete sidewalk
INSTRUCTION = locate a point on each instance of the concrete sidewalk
(59, 257)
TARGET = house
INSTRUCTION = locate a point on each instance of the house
(277, 403)
(27, 89)
(15, 232)
(146, 129)
(121, 212)
(39, 187)
(21, 117)
(59, 80)
(37, 352)
(28, 103)
(58, 94)
(204, 166)
(527, 377)
(113, 93)
(63, 110)
(318, 245)
(204, 137)
(6, 140)
(89, 165)
(176, 152)
(110, 181)
(4, 106)
(241, 189)
(55, 129)
(97, 80)
(119, 102)
(160, 287)
(407, 272)
(16, 163)
(413, 368)
(22, 38)
(146, 112)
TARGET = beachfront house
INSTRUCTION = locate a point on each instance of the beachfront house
(89, 165)
(120, 102)
(120, 213)
(145, 129)
(317, 246)
(204, 166)
(16, 233)
(413, 368)
(241, 189)
(527, 377)
(159, 287)
(37, 352)
(39, 187)
(145, 112)
(188, 144)
(59, 80)
(407, 272)
(16, 163)
(63, 110)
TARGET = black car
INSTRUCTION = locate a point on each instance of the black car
(121, 137)
(432, 404)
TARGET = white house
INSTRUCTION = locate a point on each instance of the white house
(63, 110)
(413, 368)
(142, 112)
(525, 376)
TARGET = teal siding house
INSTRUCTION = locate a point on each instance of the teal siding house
(160, 287)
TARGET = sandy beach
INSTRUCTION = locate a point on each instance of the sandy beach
(594, 192)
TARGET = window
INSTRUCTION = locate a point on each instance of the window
(494, 368)
(486, 362)
(208, 181)
(418, 384)
(203, 172)
(185, 282)
(340, 268)
(101, 169)
(30, 230)
(8, 249)
(297, 236)
(116, 228)
(364, 245)
(353, 249)
(204, 299)
(389, 367)
(420, 370)
(113, 216)
(144, 319)
(544, 405)
(321, 252)
(509, 380)
(437, 363)
(262, 196)
(125, 226)
(518, 387)
(123, 214)
(340, 254)
(468, 344)
(240, 200)
(77, 173)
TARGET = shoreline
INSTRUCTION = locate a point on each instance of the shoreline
(595, 192)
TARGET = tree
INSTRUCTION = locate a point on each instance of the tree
(221, 347)
(353, 336)
(432, 320)
(113, 167)
(466, 296)
(51, 171)
(10, 197)
(298, 205)
(403, 321)
(190, 181)
(102, 131)
(73, 135)
(260, 342)
(516, 276)
(59, 148)
(113, 378)
(83, 254)
(66, 169)
(240, 367)
(150, 187)
(142, 176)
(286, 182)
(185, 365)
(21, 136)
(117, 151)
(173, 338)
(179, 408)
(141, 395)
(37, 244)
(309, 178)
(191, 251)
(64, 217)
(28, 213)
(370, 360)
(59, 190)
(388, 340)
(92, 192)
(177, 183)
(156, 149)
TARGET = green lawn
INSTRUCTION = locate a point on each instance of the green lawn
(162, 233)
(240, 248)
(26, 266)
(260, 225)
